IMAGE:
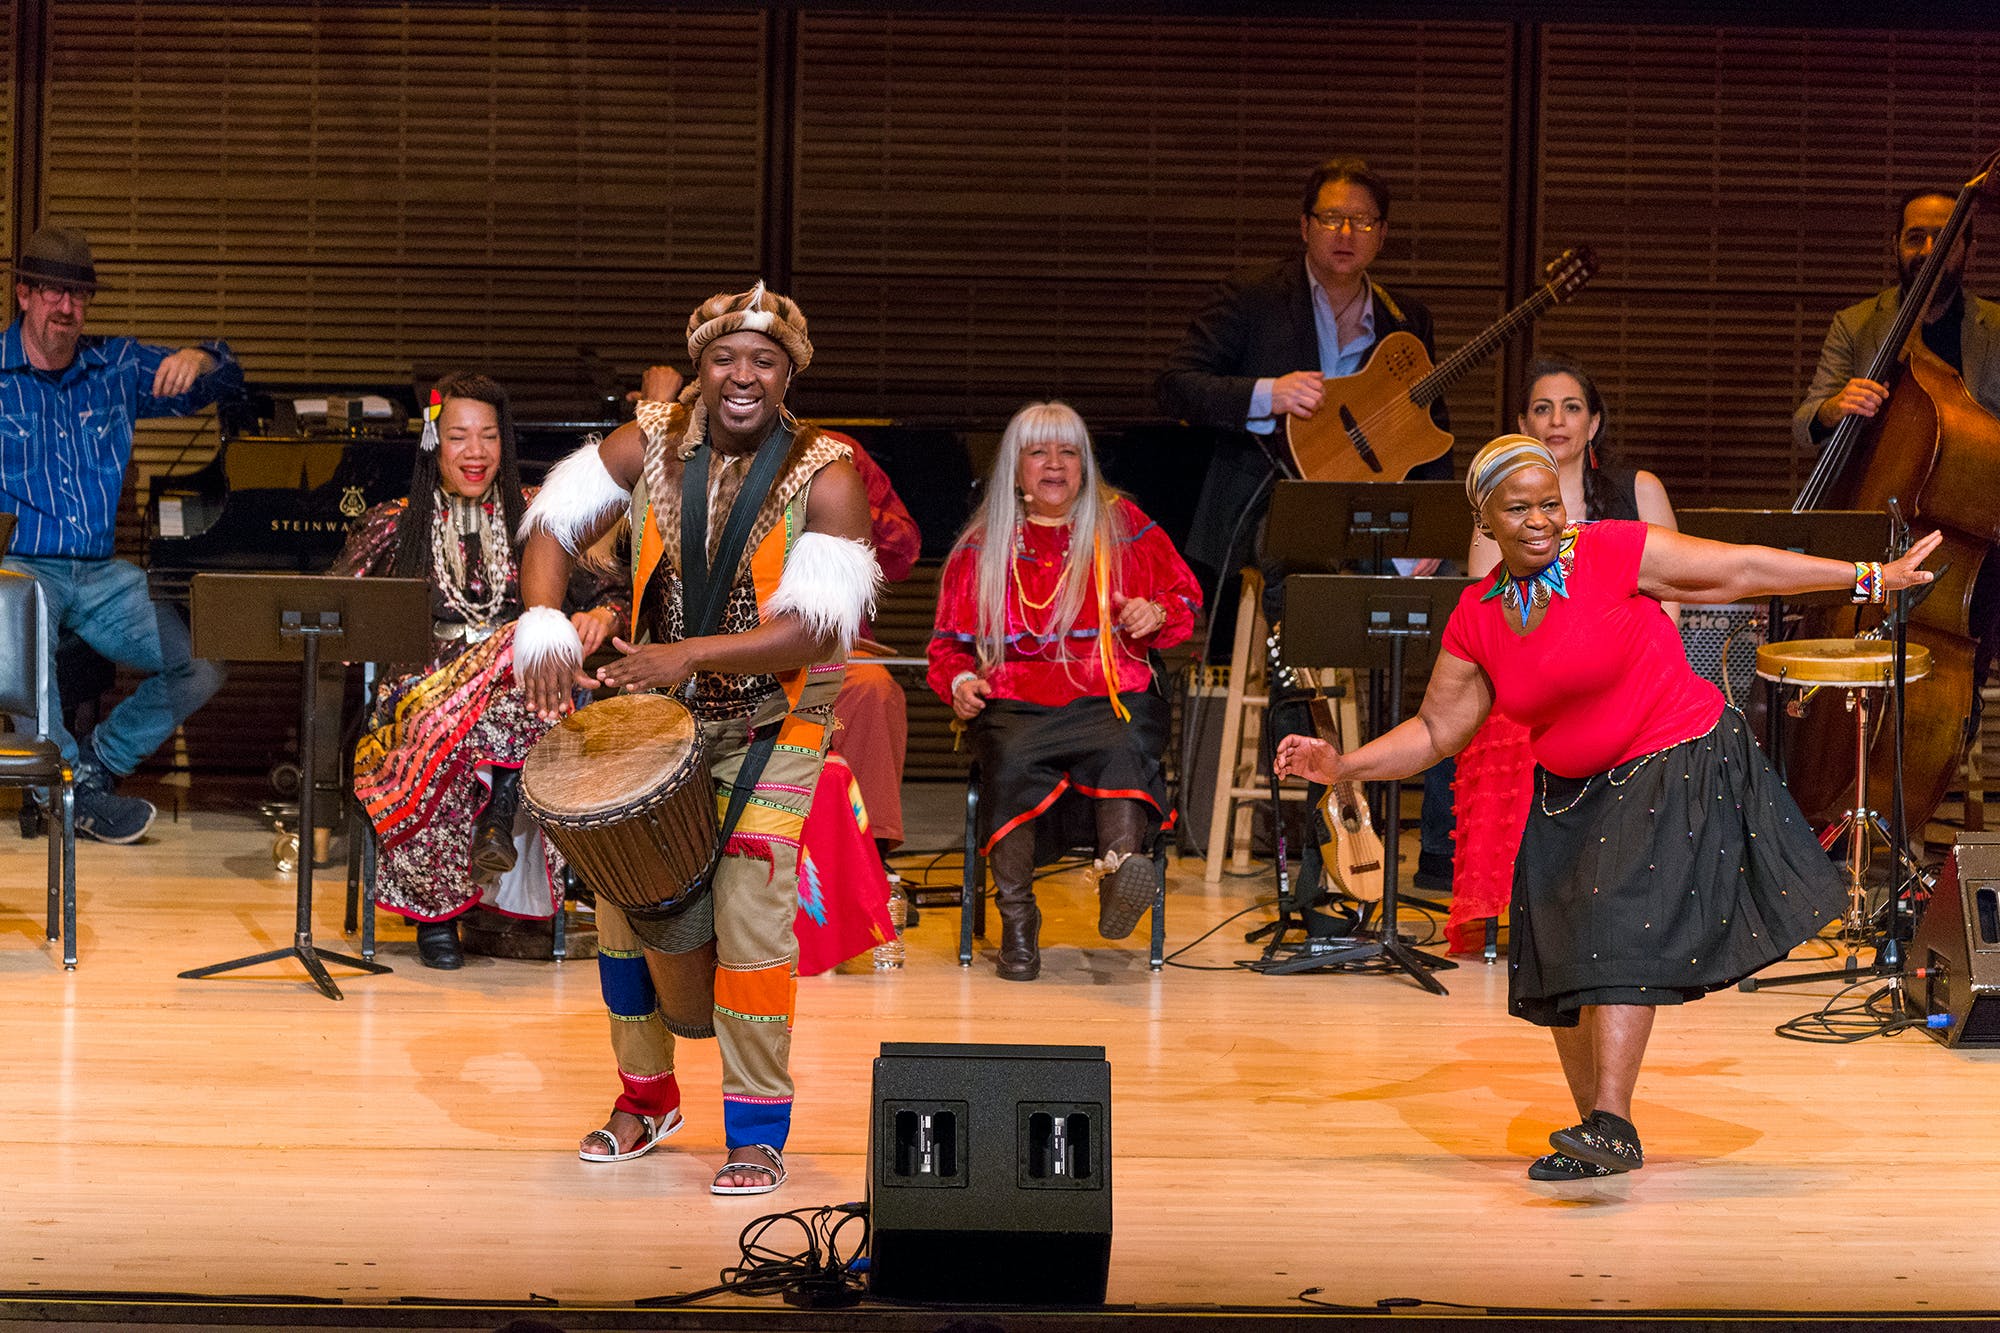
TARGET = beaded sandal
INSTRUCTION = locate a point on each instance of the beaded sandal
(653, 1130)
(775, 1171)
(1601, 1140)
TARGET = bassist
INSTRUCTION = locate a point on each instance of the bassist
(1959, 328)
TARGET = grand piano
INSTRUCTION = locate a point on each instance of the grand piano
(296, 465)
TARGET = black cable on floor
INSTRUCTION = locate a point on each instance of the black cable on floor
(1168, 961)
(808, 1269)
(1877, 1015)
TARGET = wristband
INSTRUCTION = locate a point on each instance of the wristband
(1868, 582)
(960, 679)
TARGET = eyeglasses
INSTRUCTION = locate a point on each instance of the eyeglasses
(1347, 222)
(56, 295)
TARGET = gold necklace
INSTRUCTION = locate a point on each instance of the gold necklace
(1021, 591)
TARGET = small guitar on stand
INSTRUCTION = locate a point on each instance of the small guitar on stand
(1375, 425)
(1352, 851)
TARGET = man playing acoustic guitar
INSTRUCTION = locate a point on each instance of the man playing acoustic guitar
(1262, 350)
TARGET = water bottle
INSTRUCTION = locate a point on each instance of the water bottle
(889, 953)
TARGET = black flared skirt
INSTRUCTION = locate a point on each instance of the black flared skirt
(1029, 754)
(1661, 880)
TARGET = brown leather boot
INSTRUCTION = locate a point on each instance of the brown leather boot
(1013, 862)
(1127, 879)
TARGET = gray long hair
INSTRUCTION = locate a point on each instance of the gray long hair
(1001, 512)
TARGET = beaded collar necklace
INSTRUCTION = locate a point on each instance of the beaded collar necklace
(1526, 596)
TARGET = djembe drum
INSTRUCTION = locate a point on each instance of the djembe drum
(621, 787)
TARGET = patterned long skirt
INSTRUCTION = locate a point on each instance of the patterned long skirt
(418, 776)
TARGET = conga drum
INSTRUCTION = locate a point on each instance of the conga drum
(621, 788)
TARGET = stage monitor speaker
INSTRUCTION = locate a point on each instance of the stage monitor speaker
(1956, 948)
(989, 1174)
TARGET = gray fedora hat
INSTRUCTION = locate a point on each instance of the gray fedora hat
(57, 257)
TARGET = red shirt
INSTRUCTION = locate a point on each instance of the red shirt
(1035, 667)
(1603, 678)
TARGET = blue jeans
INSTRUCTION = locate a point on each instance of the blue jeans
(106, 604)
(1438, 818)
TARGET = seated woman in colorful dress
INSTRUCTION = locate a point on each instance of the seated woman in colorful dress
(1563, 409)
(1049, 605)
(438, 770)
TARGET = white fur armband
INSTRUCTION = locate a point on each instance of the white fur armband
(575, 497)
(544, 634)
(829, 583)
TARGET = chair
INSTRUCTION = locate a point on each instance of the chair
(1064, 826)
(37, 761)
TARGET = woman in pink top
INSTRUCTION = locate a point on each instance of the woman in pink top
(1662, 859)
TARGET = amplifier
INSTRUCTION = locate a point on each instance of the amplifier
(1722, 642)
(989, 1174)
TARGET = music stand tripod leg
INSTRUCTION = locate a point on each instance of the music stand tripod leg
(301, 947)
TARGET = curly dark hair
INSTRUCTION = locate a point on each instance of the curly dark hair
(413, 529)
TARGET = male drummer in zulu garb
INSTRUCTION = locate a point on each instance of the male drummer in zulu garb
(805, 581)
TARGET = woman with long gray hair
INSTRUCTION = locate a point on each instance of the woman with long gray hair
(1055, 595)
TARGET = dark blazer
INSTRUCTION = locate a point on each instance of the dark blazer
(1856, 336)
(1259, 325)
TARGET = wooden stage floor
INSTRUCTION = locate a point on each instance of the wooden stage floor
(1348, 1134)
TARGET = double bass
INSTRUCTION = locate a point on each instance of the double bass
(1936, 452)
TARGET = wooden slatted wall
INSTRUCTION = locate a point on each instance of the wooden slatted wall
(1740, 186)
(348, 191)
(986, 208)
(993, 209)
(8, 19)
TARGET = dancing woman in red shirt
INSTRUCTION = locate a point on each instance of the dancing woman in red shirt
(1662, 859)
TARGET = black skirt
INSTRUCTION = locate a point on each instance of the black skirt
(1661, 880)
(1029, 754)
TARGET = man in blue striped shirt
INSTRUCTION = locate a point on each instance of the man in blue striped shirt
(67, 404)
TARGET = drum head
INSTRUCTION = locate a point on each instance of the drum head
(610, 757)
(1858, 664)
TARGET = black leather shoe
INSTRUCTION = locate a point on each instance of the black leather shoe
(437, 945)
(1601, 1140)
(1556, 1166)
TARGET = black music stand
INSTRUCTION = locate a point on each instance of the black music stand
(1317, 527)
(1370, 621)
(282, 618)
(1325, 527)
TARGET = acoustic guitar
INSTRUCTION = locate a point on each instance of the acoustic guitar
(1375, 425)
(1352, 850)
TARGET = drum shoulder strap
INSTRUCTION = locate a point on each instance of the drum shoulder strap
(762, 742)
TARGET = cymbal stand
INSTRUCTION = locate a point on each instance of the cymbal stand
(1862, 826)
